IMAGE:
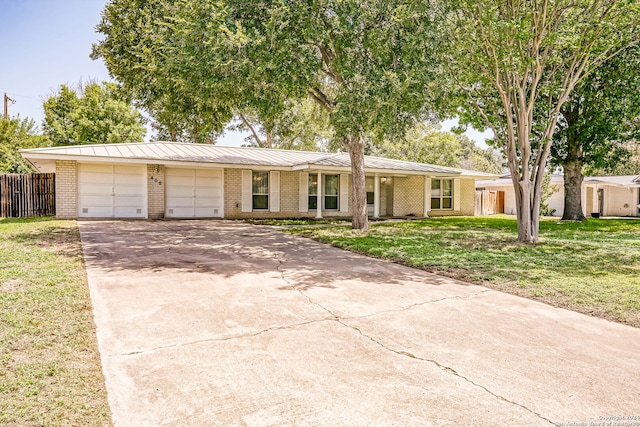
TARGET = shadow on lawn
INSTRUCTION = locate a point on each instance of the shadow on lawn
(46, 233)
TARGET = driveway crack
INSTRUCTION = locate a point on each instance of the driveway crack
(445, 368)
(418, 304)
(293, 287)
(229, 338)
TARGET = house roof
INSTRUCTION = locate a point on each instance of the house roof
(618, 181)
(173, 153)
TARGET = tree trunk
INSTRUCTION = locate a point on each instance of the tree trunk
(523, 204)
(355, 147)
(573, 184)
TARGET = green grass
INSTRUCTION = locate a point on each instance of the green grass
(50, 372)
(591, 267)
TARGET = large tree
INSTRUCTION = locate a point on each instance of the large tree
(428, 144)
(303, 125)
(598, 125)
(363, 62)
(16, 134)
(91, 114)
(518, 62)
(141, 38)
(630, 165)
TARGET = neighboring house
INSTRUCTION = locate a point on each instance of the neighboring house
(176, 180)
(601, 195)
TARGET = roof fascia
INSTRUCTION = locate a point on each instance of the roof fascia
(105, 159)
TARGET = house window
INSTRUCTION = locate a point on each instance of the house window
(441, 194)
(260, 190)
(313, 191)
(370, 184)
(331, 191)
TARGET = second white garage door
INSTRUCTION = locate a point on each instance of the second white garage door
(194, 193)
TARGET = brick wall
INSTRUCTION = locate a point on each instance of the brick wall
(467, 200)
(66, 189)
(289, 195)
(408, 195)
(155, 191)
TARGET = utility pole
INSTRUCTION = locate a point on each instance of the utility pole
(6, 105)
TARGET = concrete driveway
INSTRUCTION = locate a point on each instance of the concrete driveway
(214, 323)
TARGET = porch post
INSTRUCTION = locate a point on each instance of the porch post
(427, 196)
(320, 198)
(376, 196)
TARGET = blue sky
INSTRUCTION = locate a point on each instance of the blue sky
(46, 43)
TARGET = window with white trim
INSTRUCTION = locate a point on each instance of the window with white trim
(441, 193)
(260, 192)
(313, 191)
(331, 191)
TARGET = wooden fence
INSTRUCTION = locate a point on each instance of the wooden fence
(29, 194)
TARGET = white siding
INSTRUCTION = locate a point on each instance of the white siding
(619, 201)
(556, 200)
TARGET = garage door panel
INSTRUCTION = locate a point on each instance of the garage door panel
(129, 190)
(95, 167)
(95, 178)
(179, 172)
(128, 169)
(132, 201)
(97, 201)
(181, 181)
(180, 212)
(107, 191)
(96, 212)
(208, 192)
(180, 202)
(133, 180)
(128, 212)
(208, 202)
(194, 193)
(94, 188)
(209, 173)
(212, 212)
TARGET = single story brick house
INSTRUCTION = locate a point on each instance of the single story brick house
(178, 180)
(601, 195)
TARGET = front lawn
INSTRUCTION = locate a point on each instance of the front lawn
(591, 267)
(50, 372)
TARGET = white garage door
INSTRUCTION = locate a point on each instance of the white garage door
(111, 191)
(194, 193)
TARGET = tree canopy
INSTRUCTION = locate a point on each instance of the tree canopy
(364, 62)
(91, 114)
(517, 63)
(304, 125)
(598, 125)
(16, 134)
(428, 144)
